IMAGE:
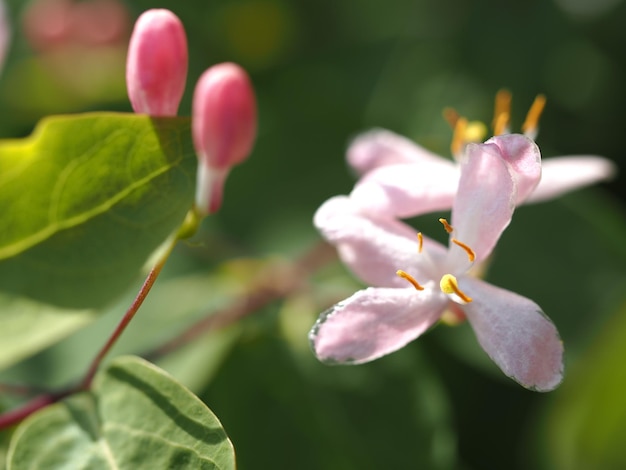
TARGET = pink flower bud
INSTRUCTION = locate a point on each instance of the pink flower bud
(223, 127)
(156, 67)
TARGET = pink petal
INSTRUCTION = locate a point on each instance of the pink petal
(380, 147)
(407, 190)
(375, 249)
(484, 203)
(563, 174)
(525, 159)
(516, 334)
(374, 322)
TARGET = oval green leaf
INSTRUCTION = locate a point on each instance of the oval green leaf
(86, 199)
(136, 417)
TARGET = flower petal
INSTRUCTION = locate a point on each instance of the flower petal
(374, 249)
(374, 322)
(516, 334)
(484, 202)
(563, 174)
(524, 158)
(380, 147)
(409, 189)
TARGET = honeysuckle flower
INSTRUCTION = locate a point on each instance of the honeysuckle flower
(223, 127)
(402, 179)
(156, 66)
(417, 279)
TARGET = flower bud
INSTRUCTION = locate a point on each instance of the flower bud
(156, 66)
(223, 127)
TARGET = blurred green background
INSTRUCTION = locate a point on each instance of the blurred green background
(325, 70)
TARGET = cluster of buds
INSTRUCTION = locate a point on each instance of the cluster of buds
(223, 109)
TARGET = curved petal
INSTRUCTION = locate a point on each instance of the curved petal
(563, 174)
(516, 334)
(374, 249)
(374, 322)
(524, 158)
(407, 190)
(380, 147)
(484, 203)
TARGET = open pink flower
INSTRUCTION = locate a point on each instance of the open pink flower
(401, 179)
(418, 279)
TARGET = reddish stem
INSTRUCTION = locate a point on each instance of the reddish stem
(15, 416)
(121, 327)
(278, 283)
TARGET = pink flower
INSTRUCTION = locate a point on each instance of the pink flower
(223, 127)
(418, 279)
(156, 67)
(401, 179)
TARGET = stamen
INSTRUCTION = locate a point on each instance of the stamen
(449, 285)
(420, 242)
(450, 115)
(409, 278)
(458, 137)
(501, 112)
(534, 113)
(470, 253)
(446, 225)
(501, 123)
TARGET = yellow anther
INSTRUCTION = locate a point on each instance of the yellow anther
(420, 242)
(446, 225)
(501, 112)
(470, 253)
(458, 137)
(534, 113)
(449, 285)
(411, 279)
(475, 131)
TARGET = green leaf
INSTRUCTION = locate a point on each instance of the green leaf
(136, 417)
(34, 328)
(586, 423)
(86, 199)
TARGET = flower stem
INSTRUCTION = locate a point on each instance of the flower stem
(15, 416)
(124, 322)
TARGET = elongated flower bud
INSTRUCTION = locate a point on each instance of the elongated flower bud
(223, 127)
(156, 67)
